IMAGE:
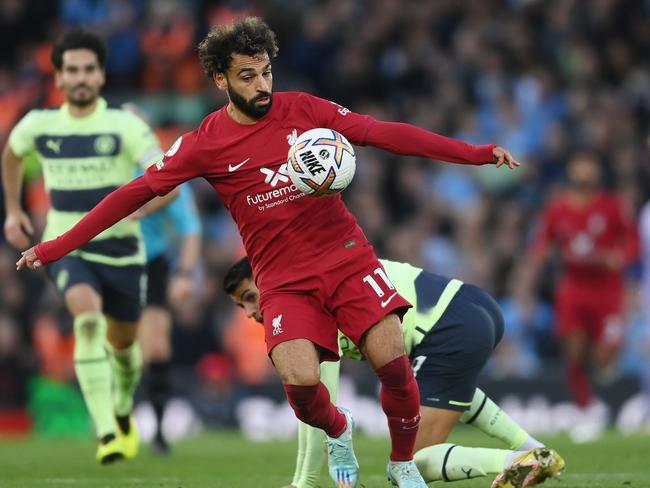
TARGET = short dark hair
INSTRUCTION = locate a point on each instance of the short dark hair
(237, 273)
(78, 39)
(248, 36)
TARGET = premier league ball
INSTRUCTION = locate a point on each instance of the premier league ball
(321, 162)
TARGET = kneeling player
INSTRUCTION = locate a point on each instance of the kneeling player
(449, 335)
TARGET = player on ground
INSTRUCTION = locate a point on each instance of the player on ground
(596, 239)
(87, 150)
(177, 221)
(315, 268)
(449, 334)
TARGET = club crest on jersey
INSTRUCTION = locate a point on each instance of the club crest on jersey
(291, 138)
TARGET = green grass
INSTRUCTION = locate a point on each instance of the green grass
(225, 459)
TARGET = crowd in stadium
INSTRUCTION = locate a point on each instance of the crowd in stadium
(473, 70)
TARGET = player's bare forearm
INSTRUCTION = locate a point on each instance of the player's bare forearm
(113, 208)
(12, 177)
(190, 250)
(18, 228)
(410, 140)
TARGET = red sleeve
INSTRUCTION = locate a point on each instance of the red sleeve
(410, 140)
(396, 137)
(176, 167)
(122, 202)
(179, 164)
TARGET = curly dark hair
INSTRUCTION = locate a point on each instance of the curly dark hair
(237, 273)
(78, 39)
(248, 36)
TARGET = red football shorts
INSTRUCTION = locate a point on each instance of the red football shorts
(352, 297)
(594, 309)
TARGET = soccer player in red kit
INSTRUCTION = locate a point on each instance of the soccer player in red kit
(596, 239)
(314, 267)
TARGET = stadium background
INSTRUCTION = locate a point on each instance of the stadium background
(543, 79)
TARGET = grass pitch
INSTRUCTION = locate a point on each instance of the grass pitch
(225, 459)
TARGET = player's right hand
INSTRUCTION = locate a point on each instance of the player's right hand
(18, 229)
(29, 259)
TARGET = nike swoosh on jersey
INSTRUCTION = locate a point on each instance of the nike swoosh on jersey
(235, 167)
(387, 301)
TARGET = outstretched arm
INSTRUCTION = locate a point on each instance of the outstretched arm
(119, 204)
(401, 138)
(410, 140)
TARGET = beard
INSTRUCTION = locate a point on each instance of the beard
(248, 107)
(84, 100)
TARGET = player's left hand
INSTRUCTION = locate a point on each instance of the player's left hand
(501, 156)
(28, 260)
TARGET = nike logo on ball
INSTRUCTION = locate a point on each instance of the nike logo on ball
(387, 301)
(235, 167)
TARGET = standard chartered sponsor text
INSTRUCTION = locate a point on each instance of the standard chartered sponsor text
(268, 196)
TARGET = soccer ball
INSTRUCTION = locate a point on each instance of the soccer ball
(321, 162)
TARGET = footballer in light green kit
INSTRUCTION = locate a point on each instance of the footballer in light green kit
(83, 160)
(87, 150)
(448, 334)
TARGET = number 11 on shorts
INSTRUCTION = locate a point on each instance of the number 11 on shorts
(377, 288)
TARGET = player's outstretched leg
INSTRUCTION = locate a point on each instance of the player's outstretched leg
(94, 376)
(489, 418)
(450, 462)
(531, 468)
(127, 368)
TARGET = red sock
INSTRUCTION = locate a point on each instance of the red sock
(313, 406)
(579, 385)
(400, 399)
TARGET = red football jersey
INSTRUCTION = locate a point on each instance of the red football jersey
(287, 235)
(285, 232)
(582, 233)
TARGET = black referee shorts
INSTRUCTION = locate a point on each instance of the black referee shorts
(158, 277)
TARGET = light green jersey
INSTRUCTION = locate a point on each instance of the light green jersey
(83, 160)
(429, 294)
